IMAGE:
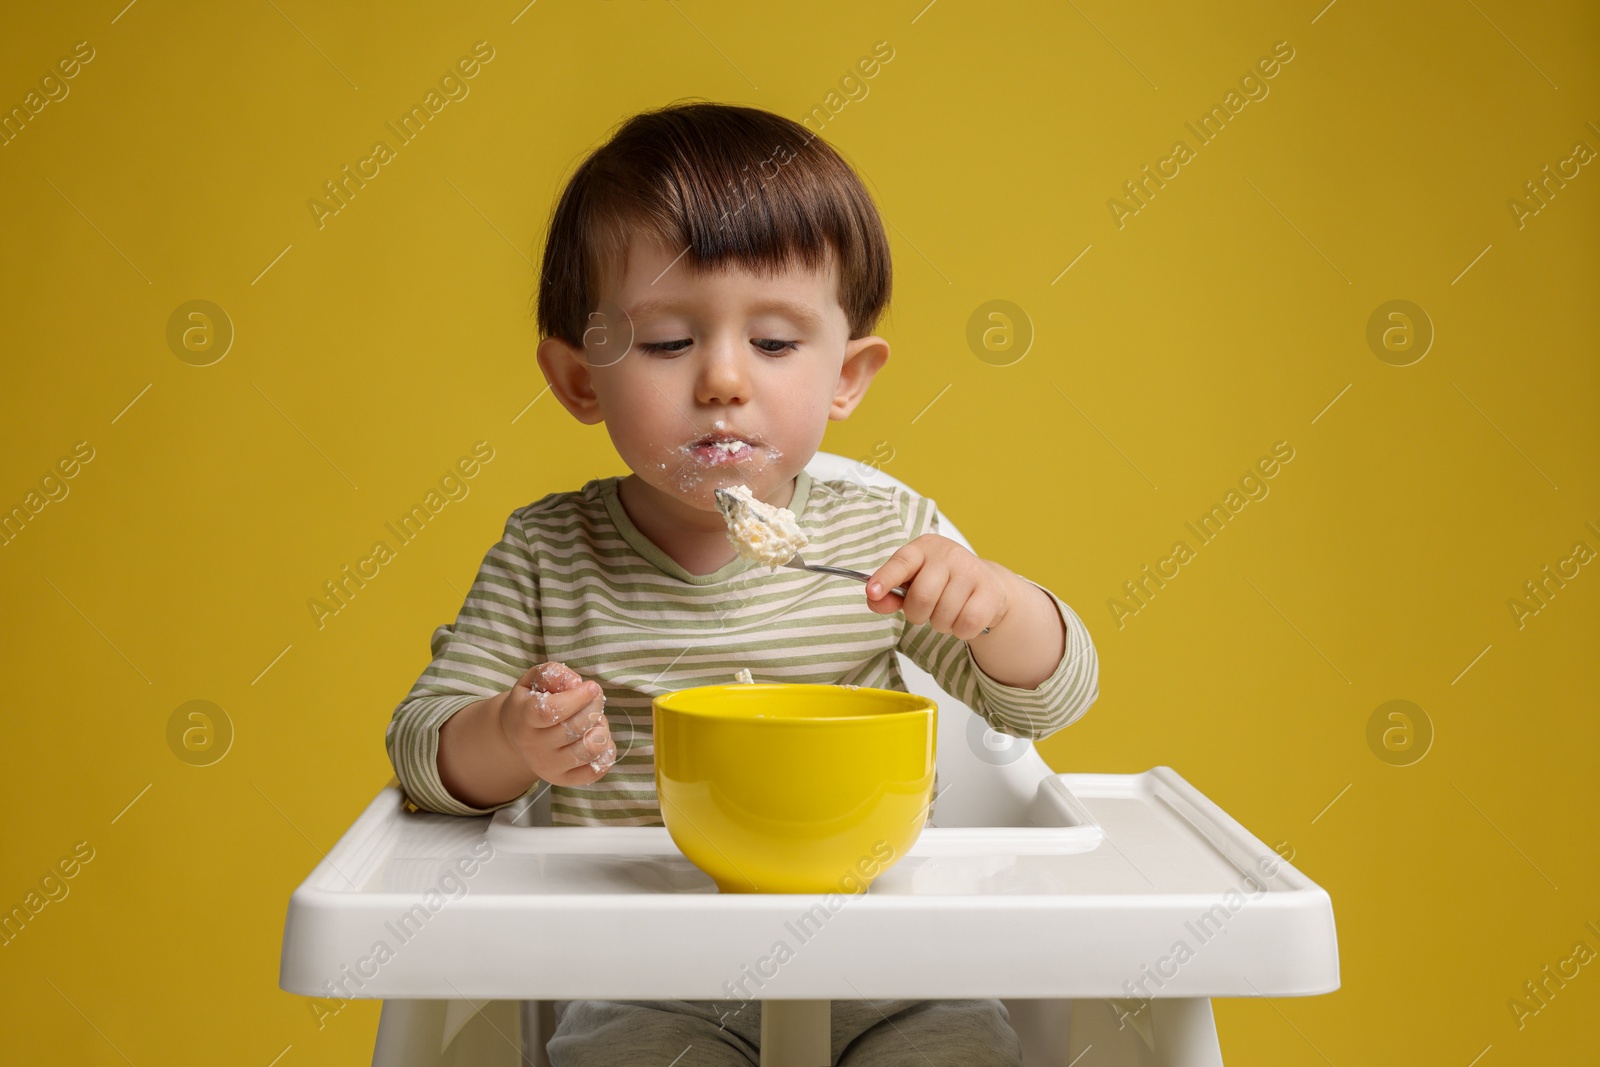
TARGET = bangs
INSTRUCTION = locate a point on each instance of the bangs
(726, 187)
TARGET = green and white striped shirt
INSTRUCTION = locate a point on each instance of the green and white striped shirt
(572, 579)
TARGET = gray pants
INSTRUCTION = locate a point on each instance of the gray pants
(706, 1033)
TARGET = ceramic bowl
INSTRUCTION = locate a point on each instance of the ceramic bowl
(790, 788)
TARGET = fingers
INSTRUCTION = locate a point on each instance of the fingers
(557, 718)
(923, 594)
(952, 600)
(907, 560)
(975, 616)
(586, 760)
(550, 677)
(594, 750)
(542, 710)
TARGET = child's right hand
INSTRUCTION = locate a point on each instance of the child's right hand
(556, 720)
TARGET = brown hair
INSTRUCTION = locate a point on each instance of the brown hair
(737, 186)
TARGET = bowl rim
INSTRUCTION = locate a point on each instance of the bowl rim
(917, 702)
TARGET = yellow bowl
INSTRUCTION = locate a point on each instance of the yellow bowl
(794, 788)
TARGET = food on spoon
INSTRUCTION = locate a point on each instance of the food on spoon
(759, 531)
(743, 677)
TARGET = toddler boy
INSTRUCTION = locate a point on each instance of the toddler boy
(709, 286)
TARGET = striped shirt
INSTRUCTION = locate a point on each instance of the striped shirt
(573, 580)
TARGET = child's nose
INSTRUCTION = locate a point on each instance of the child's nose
(724, 376)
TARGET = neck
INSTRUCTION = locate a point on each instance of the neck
(694, 539)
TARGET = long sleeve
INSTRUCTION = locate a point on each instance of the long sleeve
(1058, 701)
(496, 637)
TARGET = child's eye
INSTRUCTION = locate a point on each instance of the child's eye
(782, 346)
(667, 347)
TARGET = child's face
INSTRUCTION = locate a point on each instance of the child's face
(731, 377)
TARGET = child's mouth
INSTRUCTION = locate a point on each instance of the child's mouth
(721, 449)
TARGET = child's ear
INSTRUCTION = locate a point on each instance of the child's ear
(863, 358)
(570, 379)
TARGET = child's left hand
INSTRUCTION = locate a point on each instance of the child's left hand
(946, 586)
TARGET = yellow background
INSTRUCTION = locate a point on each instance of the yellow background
(1225, 316)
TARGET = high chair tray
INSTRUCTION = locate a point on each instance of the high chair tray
(1061, 826)
(418, 905)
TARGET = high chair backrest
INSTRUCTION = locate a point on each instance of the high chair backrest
(986, 778)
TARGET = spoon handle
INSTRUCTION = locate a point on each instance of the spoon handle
(842, 572)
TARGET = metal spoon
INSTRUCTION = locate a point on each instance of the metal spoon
(797, 563)
(729, 505)
(844, 572)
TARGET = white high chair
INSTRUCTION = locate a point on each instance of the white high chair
(1091, 920)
